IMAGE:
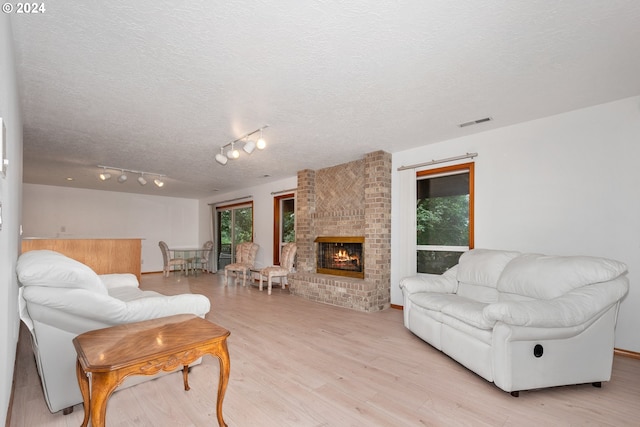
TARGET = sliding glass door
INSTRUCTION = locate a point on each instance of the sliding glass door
(235, 225)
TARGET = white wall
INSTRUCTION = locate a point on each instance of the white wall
(565, 185)
(47, 210)
(81, 213)
(11, 199)
(262, 215)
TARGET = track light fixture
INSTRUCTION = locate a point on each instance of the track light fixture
(261, 144)
(233, 153)
(249, 146)
(104, 175)
(221, 158)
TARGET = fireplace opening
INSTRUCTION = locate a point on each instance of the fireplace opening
(340, 256)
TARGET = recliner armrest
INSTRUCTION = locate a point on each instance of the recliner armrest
(445, 283)
(571, 309)
(117, 280)
(162, 306)
(81, 304)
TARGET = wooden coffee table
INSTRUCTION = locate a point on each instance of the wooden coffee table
(145, 348)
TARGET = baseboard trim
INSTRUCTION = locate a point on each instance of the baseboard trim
(397, 307)
(626, 353)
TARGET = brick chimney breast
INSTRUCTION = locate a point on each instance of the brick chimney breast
(351, 199)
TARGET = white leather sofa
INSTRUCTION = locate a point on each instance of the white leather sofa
(60, 298)
(521, 321)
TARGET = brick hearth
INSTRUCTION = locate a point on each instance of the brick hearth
(352, 199)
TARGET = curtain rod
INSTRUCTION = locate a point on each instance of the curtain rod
(230, 200)
(435, 162)
(273, 193)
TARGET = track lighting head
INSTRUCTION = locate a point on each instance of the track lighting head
(261, 144)
(141, 180)
(233, 153)
(221, 158)
(158, 182)
(249, 146)
(122, 178)
(104, 175)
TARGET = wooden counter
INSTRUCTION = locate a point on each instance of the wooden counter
(102, 255)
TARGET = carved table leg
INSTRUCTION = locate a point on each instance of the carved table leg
(102, 385)
(185, 377)
(223, 355)
(83, 383)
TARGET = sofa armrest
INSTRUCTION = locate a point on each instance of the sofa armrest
(445, 283)
(117, 280)
(162, 306)
(571, 309)
(65, 308)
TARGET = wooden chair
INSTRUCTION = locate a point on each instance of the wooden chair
(245, 258)
(287, 258)
(170, 262)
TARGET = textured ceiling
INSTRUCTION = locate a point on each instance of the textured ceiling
(154, 86)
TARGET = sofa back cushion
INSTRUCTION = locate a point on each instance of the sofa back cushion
(478, 293)
(52, 269)
(479, 271)
(547, 277)
(483, 266)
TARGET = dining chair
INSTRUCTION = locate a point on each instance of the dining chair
(245, 258)
(287, 258)
(202, 258)
(170, 262)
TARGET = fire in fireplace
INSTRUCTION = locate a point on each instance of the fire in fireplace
(340, 255)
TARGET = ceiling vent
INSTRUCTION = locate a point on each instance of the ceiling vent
(475, 122)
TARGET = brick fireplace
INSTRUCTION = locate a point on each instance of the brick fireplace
(351, 201)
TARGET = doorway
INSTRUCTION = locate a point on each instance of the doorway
(284, 230)
(235, 225)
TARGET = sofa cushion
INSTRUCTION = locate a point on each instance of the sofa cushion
(465, 310)
(483, 266)
(457, 333)
(130, 293)
(433, 301)
(469, 312)
(547, 277)
(52, 269)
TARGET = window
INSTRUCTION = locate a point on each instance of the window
(284, 217)
(444, 216)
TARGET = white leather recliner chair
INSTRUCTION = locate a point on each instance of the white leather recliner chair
(60, 298)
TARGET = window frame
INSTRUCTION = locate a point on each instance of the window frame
(277, 220)
(469, 168)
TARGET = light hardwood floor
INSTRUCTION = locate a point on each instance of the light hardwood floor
(299, 363)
